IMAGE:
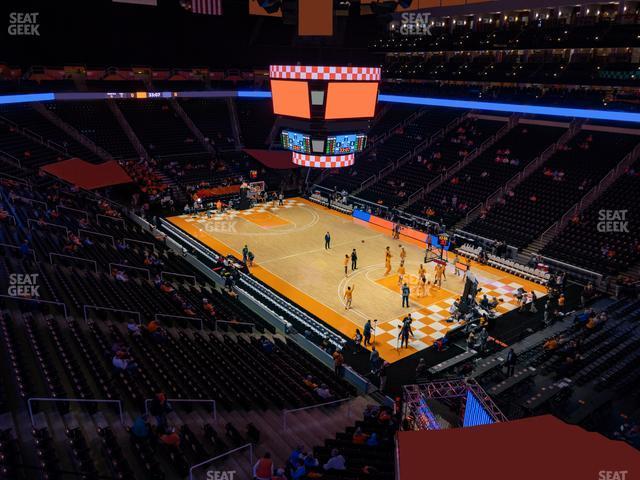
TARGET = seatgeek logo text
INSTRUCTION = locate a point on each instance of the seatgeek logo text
(23, 24)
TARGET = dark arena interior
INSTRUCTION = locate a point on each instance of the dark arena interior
(335, 239)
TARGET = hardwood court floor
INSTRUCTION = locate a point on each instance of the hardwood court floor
(288, 244)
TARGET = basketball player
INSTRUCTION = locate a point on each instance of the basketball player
(348, 297)
(427, 287)
(346, 265)
(403, 254)
(456, 270)
(437, 279)
(387, 261)
(422, 285)
(401, 273)
(421, 272)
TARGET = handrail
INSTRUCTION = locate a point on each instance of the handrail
(16, 247)
(206, 462)
(323, 404)
(12, 217)
(133, 240)
(177, 275)
(253, 325)
(32, 200)
(211, 401)
(131, 267)
(86, 214)
(113, 242)
(95, 264)
(38, 222)
(64, 306)
(166, 315)
(99, 215)
(78, 400)
(98, 307)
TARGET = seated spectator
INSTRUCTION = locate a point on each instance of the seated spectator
(171, 438)
(133, 329)
(279, 475)
(372, 441)
(140, 428)
(266, 345)
(310, 461)
(551, 344)
(359, 437)
(122, 362)
(308, 381)
(207, 307)
(159, 407)
(336, 462)
(295, 455)
(299, 471)
(323, 392)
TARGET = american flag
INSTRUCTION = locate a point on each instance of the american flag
(207, 7)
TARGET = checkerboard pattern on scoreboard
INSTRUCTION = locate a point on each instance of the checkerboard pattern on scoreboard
(430, 323)
(230, 214)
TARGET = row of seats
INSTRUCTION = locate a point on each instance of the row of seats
(524, 213)
(470, 186)
(599, 239)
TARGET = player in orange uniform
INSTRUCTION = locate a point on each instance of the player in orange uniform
(348, 297)
(387, 261)
(346, 265)
(401, 273)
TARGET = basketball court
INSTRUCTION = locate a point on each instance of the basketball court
(288, 244)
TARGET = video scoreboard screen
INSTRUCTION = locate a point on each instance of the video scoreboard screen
(341, 144)
(295, 141)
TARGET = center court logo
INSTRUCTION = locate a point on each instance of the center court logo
(613, 221)
(24, 285)
(413, 24)
(23, 24)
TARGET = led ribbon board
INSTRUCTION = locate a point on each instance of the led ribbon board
(323, 161)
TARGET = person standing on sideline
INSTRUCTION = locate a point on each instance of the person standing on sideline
(367, 333)
(406, 291)
(374, 359)
(354, 259)
(456, 270)
(245, 254)
(281, 199)
(338, 362)
(382, 376)
(510, 362)
(346, 265)
(327, 241)
(348, 297)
